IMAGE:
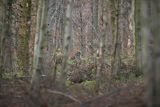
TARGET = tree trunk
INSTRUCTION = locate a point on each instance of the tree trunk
(151, 51)
(39, 40)
(101, 49)
(138, 37)
(67, 40)
(6, 40)
(95, 22)
(117, 39)
(82, 34)
(24, 21)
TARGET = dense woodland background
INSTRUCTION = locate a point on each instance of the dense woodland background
(79, 53)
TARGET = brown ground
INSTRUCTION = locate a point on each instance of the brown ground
(17, 94)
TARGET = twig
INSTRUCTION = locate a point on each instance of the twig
(63, 94)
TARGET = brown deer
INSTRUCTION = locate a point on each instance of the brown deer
(74, 55)
(58, 56)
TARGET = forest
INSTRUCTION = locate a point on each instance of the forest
(79, 53)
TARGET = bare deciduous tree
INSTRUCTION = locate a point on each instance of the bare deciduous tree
(67, 39)
(39, 40)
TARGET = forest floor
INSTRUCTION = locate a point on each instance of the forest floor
(16, 93)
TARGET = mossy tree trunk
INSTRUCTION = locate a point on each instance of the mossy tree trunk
(2, 11)
(24, 21)
(138, 36)
(6, 40)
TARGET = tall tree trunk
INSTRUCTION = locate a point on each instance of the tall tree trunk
(67, 40)
(94, 38)
(2, 12)
(151, 50)
(6, 40)
(117, 39)
(95, 21)
(101, 49)
(138, 36)
(34, 6)
(82, 34)
(39, 40)
(24, 21)
(38, 47)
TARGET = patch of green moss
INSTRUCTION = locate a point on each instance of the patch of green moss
(89, 84)
(68, 83)
(19, 74)
(7, 76)
(129, 78)
(71, 62)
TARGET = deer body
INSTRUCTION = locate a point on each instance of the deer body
(74, 55)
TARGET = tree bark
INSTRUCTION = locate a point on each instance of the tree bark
(138, 37)
(151, 51)
(24, 21)
(6, 40)
(117, 39)
(101, 49)
(39, 40)
(67, 40)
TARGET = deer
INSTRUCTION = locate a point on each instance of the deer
(74, 55)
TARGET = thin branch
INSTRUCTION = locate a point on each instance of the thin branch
(63, 94)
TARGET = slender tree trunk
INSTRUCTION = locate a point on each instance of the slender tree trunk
(138, 36)
(102, 47)
(82, 35)
(39, 40)
(95, 21)
(117, 48)
(67, 40)
(2, 12)
(34, 6)
(62, 22)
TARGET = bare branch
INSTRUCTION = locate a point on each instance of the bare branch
(63, 94)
